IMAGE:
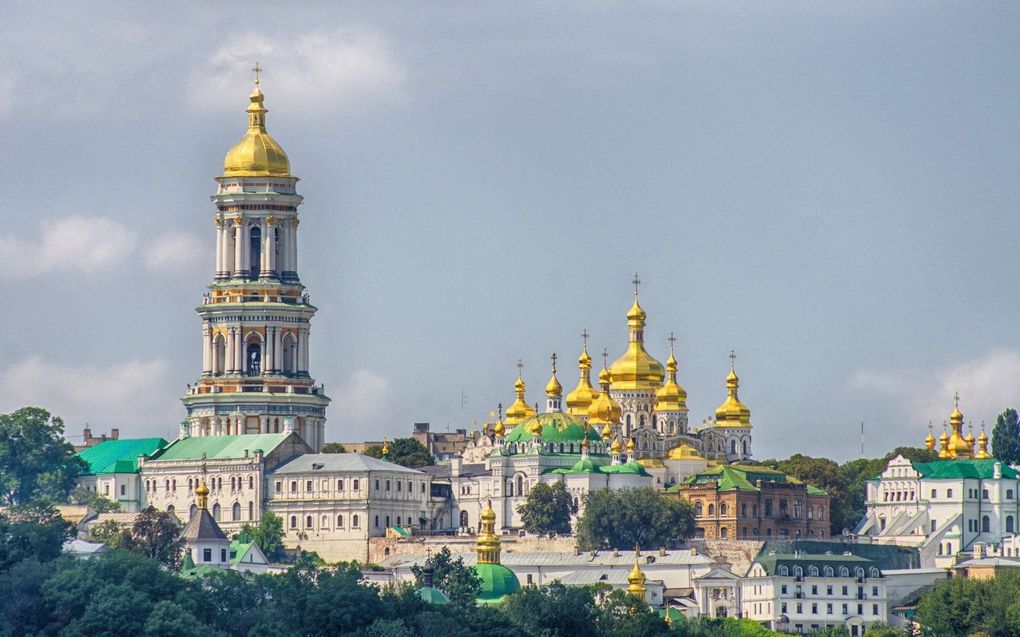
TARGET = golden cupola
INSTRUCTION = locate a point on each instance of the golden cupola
(732, 413)
(636, 369)
(605, 410)
(257, 154)
(553, 391)
(202, 495)
(636, 578)
(958, 446)
(671, 396)
(982, 443)
(944, 443)
(519, 411)
(584, 394)
(929, 442)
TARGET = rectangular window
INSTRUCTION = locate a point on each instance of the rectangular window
(783, 608)
(279, 486)
(357, 484)
(223, 555)
(800, 609)
(933, 526)
(860, 609)
(814, 590)
(387, 485)
(123, 489)
(530, 580)
(206, 555)
(784, 589)
(845, 609)
(814, 609)
(768, 508)
(293, 486)
(377, 485)
(308, 486)
(398, 485)
(845, 592)
(828, 609)
(934, 494)
(339, 485)
(874, 591)
(874, 609)
(828, 591)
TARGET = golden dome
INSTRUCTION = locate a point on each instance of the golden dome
(257, 154)
(636, 578)
(732, 413)
(553, 389)
(487, 545)
(202, 493)
(607, 431)
(684, 451)
(929, 441)
(630, 445)
(584, 394)
(519, 410)
(499, 429)
(944, 444)
(615, 447)
(958, 446)
(982, 442)
(605, 410)
(636, 369)
(671, 396)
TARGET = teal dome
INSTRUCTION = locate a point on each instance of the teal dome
(433, 595)
(497, 583)
(556, 427)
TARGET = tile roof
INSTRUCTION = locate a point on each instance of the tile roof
(119, 456)
(327, 462)
(220, 447)
(202, 526)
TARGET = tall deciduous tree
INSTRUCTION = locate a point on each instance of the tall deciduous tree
(33, 530)
(333, 447)
(268, 534)
(628, 517)
(156, 534)
(547, 509)
(1006, 437)
(35, 460)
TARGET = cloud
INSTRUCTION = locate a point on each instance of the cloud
(84, 244)
(312, 73)
(987, 385)
(176, 252)
(131, 393)
(359, 405)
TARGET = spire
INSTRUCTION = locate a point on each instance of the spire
(636, 578)
(257, 154)
(487, 544)
(385, 447)
(671, 396)
(944, 443)
(958, 445)
(929, 442)
(636, 369)
(498, 429)
(202, 493)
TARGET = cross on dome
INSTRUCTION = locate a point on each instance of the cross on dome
(636, 281)
(733, 359)
(553, 362)
(672, 341)
(520, 367)
(257, 70)
(584, 337)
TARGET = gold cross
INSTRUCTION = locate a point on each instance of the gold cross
(257, 70)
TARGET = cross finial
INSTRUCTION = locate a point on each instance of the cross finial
(257, 70)
(584, 337)
(672, 341)
(554, 361)
(605, 357)
(956, 400)
(636, 281)
(733, 358)
(520, 367)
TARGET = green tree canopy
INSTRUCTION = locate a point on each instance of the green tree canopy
(156, 534)
(547, 509)
(460, 583)
(33, 530)
(407, 452)
(93, 500)
(1006, 437)
(333, 447)
(268, 533)
(35, 460)
(624, 518)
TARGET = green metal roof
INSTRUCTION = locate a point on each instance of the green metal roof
(118, 456)
(735, 477)
(497, 583)
(957, 469)
(556, 427)
(772, 562)
(587, 466)
(220, 447)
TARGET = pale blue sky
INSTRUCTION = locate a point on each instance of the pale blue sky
(830, 189)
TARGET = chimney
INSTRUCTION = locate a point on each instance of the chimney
(115, 434)
(997, 470)
(87, 433)
(662, 551)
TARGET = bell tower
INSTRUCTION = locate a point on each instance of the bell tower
(256, 315)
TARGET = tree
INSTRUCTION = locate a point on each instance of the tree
(156, 534)
(35, 460)
(33, 530)
(110, 532)
(93, 500)
(824, 474)
(547, 509)
(333, 447)
(1006, 437)
(268, 534)
(460, 583)
(628, 517)
(167, 619)
(555, 610)
(407, 452)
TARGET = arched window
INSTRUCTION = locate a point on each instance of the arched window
(293, 521)
(167, 485)
(520, 485)
(844, 571)
(219, 355)
(191, 511)
(253, 357)
(986, 524)
(1009, 524)
(874, 572)
(641, 420)
(464, 519)
(355, 522)
(289, 354)
(628, 420)
(859, 571)
(339, 521)
(813, 571)
(711, 509)
(251, 510)
(235, 512)
(251, 482)
(308, 521)
(747, 448)
(233, 484)
(733, 447)
(783, 571)
(949, 493)
(723, 509)
(189, 484)
(699, 508)
(798, 571)
(828, 571)
(170, 508)
(216, 511)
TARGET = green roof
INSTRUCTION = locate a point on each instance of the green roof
(735, 477)
(219, 447)
(956, 469)
(773, 561)
(556, 427)
(497, 583)
(585, 465)
(238, 549)
(433, 596)
(118, 456)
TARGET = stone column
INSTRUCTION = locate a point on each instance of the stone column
(239, 349)
(238, 246)
(228, 357)
(278, 346)
(292, 245)
(269, 248)
(206, 350)
(269, 353)
(219, 246)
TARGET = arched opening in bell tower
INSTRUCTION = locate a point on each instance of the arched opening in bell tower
(219, 355)
(289, 355)
(255, 253)
(253, 357)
